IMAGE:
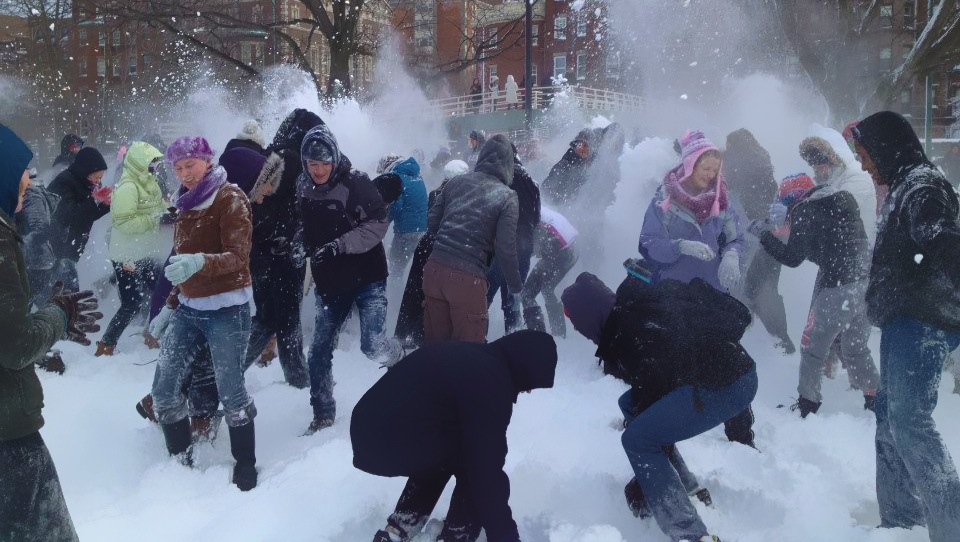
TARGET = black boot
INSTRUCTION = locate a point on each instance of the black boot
(177, 436)
(636, 501)
(806, 407)
(533, 316)
(243, 445)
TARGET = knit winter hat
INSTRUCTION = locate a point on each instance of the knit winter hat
(692, 145)
(793, 187)
(243, 167)
(387, 162)
(251, 131)
(317, 150)
(189, 147)
(390, 186)
(588, 302)
(817, 151)
(88, 160)
(455, 168)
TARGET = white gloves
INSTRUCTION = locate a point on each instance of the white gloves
(182, 267)
(778, 214)
(159, 324)
(696, 249)
(729, 272)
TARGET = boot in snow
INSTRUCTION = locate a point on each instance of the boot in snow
(152, 342)
(103, 349)
(805, 406)
(533, 316)
(243, 447)
(870, 401)
(786, 345)
(52, 362)
(391, 533)
(205, 429)
(177, 436)
(636, 501)
(317, 424)
(145, 408)
(269, 352)
(703, 495)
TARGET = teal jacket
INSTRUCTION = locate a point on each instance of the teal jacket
(24, 337)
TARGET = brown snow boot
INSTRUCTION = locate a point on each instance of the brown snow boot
(152, 342)
(269, 352)
(103, 349)
(145, 408)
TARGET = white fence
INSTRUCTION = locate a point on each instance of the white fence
(587, 98)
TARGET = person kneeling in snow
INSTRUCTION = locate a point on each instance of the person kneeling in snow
(443, 411)
(677, 345)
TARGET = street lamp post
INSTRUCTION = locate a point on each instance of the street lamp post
(528, 67)
(928, 106)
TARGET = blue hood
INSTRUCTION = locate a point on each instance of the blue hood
(407, 168)
(15, 156)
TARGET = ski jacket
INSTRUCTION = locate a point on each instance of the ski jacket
(662, 231)
(448, 406)
(74, 216)
(25, 337)
(409, 212)
(347, 210)
(35, 223)
(554, 234)
(749, 174)
(528, 207)
(662, 336)
(825, 228)
(135, 208)
(476, 216)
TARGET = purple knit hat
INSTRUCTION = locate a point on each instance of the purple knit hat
(189, 147)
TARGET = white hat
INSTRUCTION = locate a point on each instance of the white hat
(252, 131)
(455, 168)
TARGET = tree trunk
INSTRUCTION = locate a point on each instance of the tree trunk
(339, 71)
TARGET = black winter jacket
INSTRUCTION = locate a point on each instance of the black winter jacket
(447, 406)
(825, 228)
(347, 209)
(749, 173)
(528, 200)
(662, 336)
(74, 216)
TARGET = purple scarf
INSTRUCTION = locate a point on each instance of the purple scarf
(188, 199)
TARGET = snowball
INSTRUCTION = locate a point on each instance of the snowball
(683, 96)
(918, 258)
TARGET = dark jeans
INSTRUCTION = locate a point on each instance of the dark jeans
(133, 287)
(544, 279)
(512, 320)
(410, 319)
(41, 285)
(761, 289)
(66, 272)
(32, 508)
(419, 498)
(332, 311)
(917, 482)
(278, 295)
(226, 332)
(674, 418)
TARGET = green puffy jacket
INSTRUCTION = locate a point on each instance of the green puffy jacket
(136, 206)
(24, 338)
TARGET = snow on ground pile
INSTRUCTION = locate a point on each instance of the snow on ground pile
(811, 480)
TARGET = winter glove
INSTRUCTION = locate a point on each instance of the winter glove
(182, 267)
(758, 227)
(102, 194)
(169, 217)
(729, 272)
(328, 251)
(80, 308)
(778, 214)
(159, 324)
(696, 249)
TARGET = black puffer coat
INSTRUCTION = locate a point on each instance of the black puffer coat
(74, 216)
(749, 173)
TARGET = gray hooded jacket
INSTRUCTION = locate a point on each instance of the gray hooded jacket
(476, 216)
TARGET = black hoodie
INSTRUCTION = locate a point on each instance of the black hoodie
(66, 157)
(448, 406)
(77, 211)
(915, 271)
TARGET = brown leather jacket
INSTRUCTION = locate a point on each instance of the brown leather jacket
(222, 232)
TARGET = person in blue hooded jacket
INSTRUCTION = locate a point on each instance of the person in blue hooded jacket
(343, 220)
(408, 213)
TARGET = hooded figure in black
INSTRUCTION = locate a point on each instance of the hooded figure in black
(914, 297)
(749, 173)
(443, 411)
(344, 221)
(566, 178)
(70, 145)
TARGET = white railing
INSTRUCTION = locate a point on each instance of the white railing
(587, 98)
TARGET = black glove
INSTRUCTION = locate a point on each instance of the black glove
(81, 311)
(758, 227)
(169, 217)
(328, 251)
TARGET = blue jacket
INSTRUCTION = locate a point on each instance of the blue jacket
(409, 212)
(661, 231)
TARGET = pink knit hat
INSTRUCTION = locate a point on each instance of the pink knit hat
(189, 147)
(693, 145)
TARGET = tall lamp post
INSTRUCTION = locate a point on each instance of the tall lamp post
(928, 106)
(528, 66)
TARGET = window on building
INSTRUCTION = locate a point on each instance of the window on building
(82, 36)
(886, 16)
(909, 14)
(560, 27)
(101, 67)
(492, 70)
(82, 66)
(581, 25)
(116, 38)
(147, 62)
(246, 53)
(613, 65)
(560, 65)
(258, 54)
(581, 66)
(257, 14)
(536, 35)
(886, 59)
(905, 97)
(907, 47)
(102, 39)
(294, 13)
(532, 82)
(132, 65)
(116, 66)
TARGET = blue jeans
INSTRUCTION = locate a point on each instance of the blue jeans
(917, 480)
(672, 419)
(226, 332)
(495, 282)
(332, 310)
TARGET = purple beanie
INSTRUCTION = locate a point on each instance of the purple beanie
(243, 167)
(189, 147)
(587, 303)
